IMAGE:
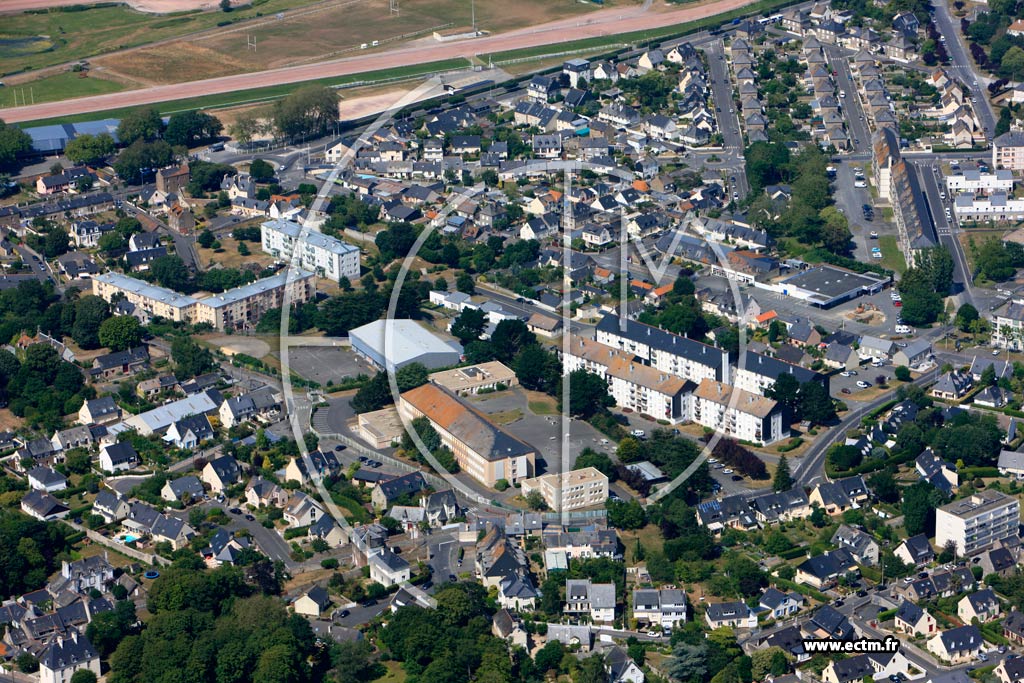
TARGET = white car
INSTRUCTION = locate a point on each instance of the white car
(712, 460)
(845, 373)
(726, 471)
(859, 183)
(638, 433)
(862, 384)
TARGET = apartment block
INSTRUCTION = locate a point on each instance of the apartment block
(976, 181)
(757, 372)
(1008, 326)
(664, 351)
(587, 487)
(310, 250)
(737, 413)
(641, 388)
(238, 309)
(976, 522)
(1008, 151)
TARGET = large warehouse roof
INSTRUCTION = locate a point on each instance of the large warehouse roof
(400, 342)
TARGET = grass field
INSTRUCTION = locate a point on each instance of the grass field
(892, 257)
(62, 86)
(268, 94)
(80, 34)
(337, 30)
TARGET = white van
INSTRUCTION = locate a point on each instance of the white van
(904, 329)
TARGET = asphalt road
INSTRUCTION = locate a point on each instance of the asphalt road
(961, 65)
(597, 24)
(856, 123)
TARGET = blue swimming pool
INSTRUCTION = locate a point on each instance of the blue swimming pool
(130, 538)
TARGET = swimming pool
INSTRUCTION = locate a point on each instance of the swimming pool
(130, 538)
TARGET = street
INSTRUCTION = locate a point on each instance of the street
(860, 135)
(962, 66)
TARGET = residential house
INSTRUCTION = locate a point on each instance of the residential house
(110, 506)
(221, 473)
(325, 463)
(854, 668)
(183, 488)
(189, 432)
(302, 510)
(517, 592)
(1013, 627)
(952, 386)
(387, 492)
(327, 530)
(824, 571)
(957, 645)
(731, 614)
(43, 506)
(860, 544)
(621, 668)
(118, 457)
(914, 620)
(665, 608)
(841, 495)
(779, 604)
(46, 479)
(101, 410)
(596, 600)
(982, 605)
(262, 493)
(312, 603)
(389, 569)
(69, 652)
(916, 551)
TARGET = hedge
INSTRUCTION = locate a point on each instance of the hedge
(975, 472)
(800, 588)
(295, 532)
(793, 553)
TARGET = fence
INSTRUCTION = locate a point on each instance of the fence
(97, 537)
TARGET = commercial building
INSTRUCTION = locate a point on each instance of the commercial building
(471, 380)
(238, 308)
(641, 388)
(587, 487)
(667, 352)
(310, 250)
(976, 522)
(826, 286)
(392, 344)
(482, 449)
(737, 413)
(1008, 151)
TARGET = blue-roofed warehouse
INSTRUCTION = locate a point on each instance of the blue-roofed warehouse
(54, 138)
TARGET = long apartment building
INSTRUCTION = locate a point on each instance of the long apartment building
(313, 251)
(1008, 151)
(641, 388)
(582, 488)
(976, 522)
(738, 413)
(665, 351)
(483, 450)
(234, 309)
(757, 372)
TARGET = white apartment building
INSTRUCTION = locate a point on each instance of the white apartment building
(314, 251)
(737, 413)
(587, 487)
(1008, 151)
(757, 372)
(976, 181)
(1008, 327)
(667, 352)
(977, 522)
(633, 385)
(998, 206)
(238, 308)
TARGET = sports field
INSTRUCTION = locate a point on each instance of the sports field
(330, 30)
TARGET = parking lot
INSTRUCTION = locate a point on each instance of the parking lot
(325, 364)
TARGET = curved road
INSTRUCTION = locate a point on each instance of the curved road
(601, 23)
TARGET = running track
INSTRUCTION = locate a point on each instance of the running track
(603, 22)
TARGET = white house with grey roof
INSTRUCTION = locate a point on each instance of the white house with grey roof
(177, 489)
(860, 544)
(388, 569)
(594, 599)
(733, 614)
(957, 645)
(65, 655)
(118, 457)
(665, 608)
(1011, 463)
(46, 479)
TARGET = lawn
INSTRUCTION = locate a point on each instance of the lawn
(263, 95)
(395, 673)
(541, 404)
(650, 537)
(33, 40)
(63, 86)
(892, 257)
(228, 257)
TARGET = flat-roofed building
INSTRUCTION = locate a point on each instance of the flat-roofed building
(310, 249)
(738, 413)
(381, 427)
(392, 344)
(641, 388)
(238, 308)
(587, 487)
(470, 380)
(978, 521)
(482, 449)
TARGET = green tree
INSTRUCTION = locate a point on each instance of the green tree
(83, 676)
(261, 171)
(136, 162)
(689, 663)
(89, 149)
(537, 369)
(90, 312)
(192, 128)
(919, 503)
(206, 239)
(172, 273)
(588, 394)
(120, 333)
(190, 359)
(309, 111)
(465, 284)
(140, 124)
(783, 480)
(884, 486)
(902, 373)
(591, 458)
(411, 376)
(816, 406)
(966, 315)
(469, 325)
(14, 142)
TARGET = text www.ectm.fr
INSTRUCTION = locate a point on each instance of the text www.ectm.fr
(890, 644)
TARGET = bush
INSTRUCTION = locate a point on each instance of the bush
(329, 563)
(902, 373)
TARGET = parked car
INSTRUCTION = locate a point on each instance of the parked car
(726, 471)
(862, 384)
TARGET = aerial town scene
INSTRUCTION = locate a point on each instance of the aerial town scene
(460, 341)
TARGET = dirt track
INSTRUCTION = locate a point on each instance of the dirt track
(600, 23)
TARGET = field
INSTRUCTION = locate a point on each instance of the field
(336, 29)
(34, 40)
(228, 256)
(892, 257)
(61, 86)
